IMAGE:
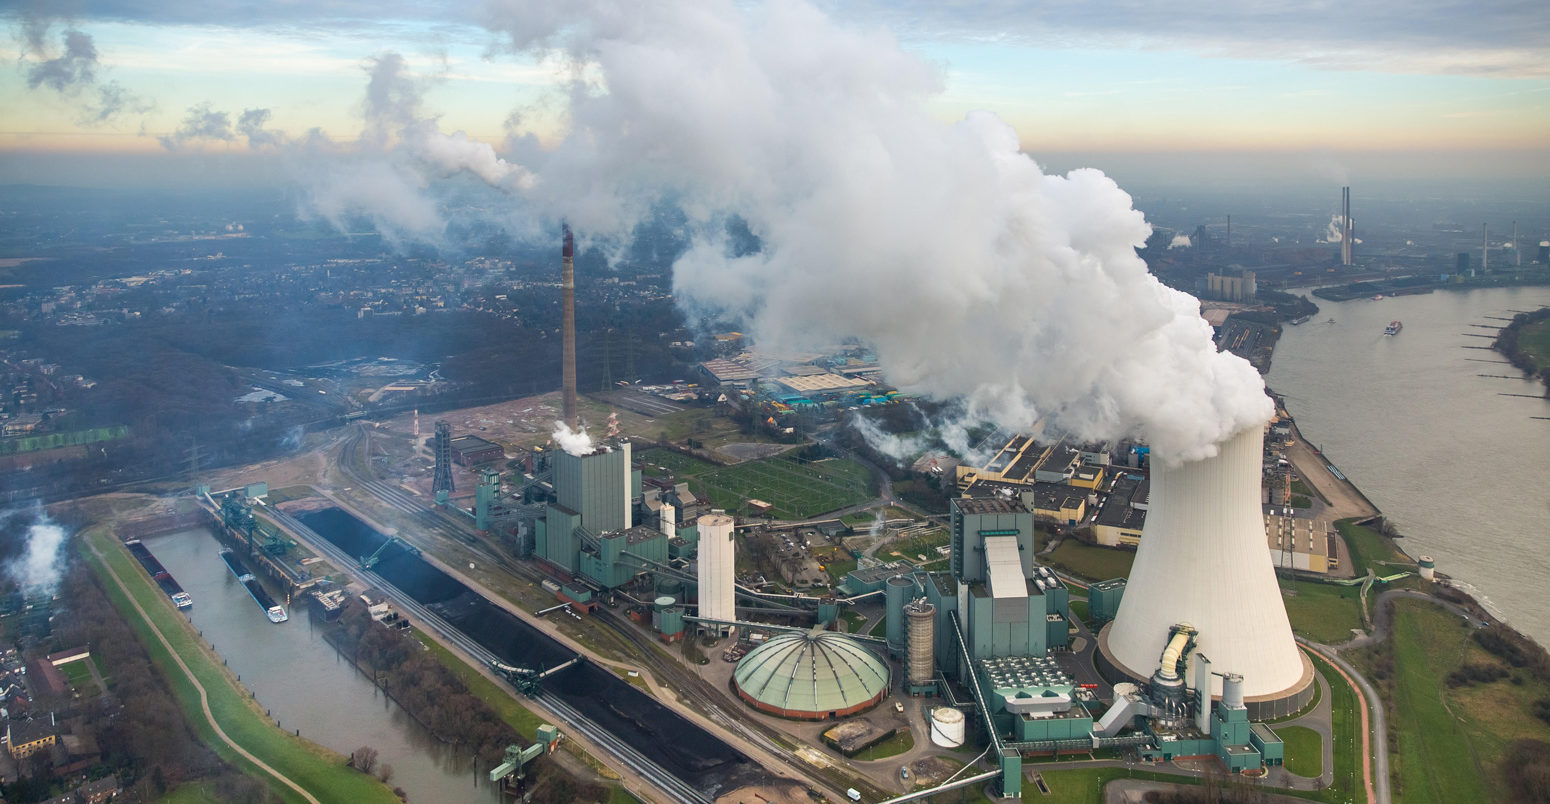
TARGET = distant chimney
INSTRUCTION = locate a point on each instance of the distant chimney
(568, 329)
(1347, 231)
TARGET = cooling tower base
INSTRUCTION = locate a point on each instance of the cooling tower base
(1261, 707)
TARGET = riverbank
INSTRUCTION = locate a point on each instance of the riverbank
(213, 701)
(1526, 344)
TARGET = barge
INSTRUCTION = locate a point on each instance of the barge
(274, 611)
(159, 574)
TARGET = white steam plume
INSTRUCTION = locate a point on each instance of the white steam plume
(972, 273)
(574, 442)
(40, 566)
(1180, 241)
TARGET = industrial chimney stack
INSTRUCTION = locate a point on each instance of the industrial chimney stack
(1347, 231)
(568, 329)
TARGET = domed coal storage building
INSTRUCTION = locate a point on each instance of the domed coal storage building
(811, 676)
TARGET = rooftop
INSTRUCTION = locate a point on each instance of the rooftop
(988, 505)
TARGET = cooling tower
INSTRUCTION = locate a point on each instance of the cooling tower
(717, 573)
(1202, 561)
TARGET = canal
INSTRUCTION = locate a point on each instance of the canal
(303, 682)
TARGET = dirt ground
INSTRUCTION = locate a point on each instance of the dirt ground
(767, 794)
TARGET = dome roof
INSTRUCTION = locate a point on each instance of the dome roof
(815, 674)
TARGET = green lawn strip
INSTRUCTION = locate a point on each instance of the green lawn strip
(519, 717)
(1323, 612)
(1436, 758)
(1093, 563)
(77, 673)
(1345, 720)
(317, 769)
(880, 629)
(1079, 610)
(618, 795)
(1304, 750)
(1368, 548)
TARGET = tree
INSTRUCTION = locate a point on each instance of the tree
(385, 772)
(364, 759)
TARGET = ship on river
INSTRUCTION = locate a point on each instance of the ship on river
(1393, 328)
(159, 574)
(274, 611)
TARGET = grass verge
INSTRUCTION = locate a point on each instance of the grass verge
(1304, 750)
(891, 747)
(1345, 720)
(317, 769)
(1369, 548)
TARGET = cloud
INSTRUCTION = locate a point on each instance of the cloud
(205, 124)
(40, 566)
(1179, 241)
(72, 73)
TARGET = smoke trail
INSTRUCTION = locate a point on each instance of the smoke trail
(574, 442)
(40, 566)
(973, 274)
(1179, 241)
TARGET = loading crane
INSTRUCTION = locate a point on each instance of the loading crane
(367, 562)
(518, 758)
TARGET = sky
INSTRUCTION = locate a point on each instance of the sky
(142, 90)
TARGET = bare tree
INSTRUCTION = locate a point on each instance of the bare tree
(364, 759)
(385, 772)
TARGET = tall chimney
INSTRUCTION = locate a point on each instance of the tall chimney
(1347, 231)
(1517, 254)
(568, 329)
(1485, 248)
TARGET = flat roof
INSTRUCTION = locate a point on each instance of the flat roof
(988, 505)
(469, 443)
(822, 382)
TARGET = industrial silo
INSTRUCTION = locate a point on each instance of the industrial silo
(920, 656)
(896, 592)
(716, 570)
(947, 727)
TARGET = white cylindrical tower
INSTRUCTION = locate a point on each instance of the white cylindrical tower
(1428, 568)
(1202, 560)
(947, 727)
(717, 554)
(669, 526)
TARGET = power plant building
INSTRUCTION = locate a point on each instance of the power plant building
(588, 529)
(816, 675)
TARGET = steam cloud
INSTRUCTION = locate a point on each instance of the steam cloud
(972, 273)
(40, 566)
(574, 442)
(1179, 241)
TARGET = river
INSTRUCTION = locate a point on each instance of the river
(303, 681)
(1457, 466)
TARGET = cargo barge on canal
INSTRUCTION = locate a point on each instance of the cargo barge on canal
(274, 611)
(159, 574)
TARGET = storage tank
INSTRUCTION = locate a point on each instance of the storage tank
(947, 727)
(661, 605)
(920, 666)
(1428, 568)
(672, 620)
(716, 573)
(896, 592)
(1232, 691)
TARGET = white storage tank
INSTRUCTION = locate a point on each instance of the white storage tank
(947, 727)
(1428, 568)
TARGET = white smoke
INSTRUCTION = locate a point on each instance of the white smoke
(39, 567)
(973, 274)
(574, 442)
(1180, 241)
(1335, 231)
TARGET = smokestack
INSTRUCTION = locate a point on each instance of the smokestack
(1203, 561)
(1347, 231)
(568, 329)
(1485, 248)
(1517, 255)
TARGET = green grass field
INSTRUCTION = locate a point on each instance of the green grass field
(1370, 549)
(891, 747)
(1304, 750)
(1323, 612)
(796, 490)
(77, 673)
(1451, 738)
(317, 769)
(1534, 340)
(1079, 611)
(1092, 563)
